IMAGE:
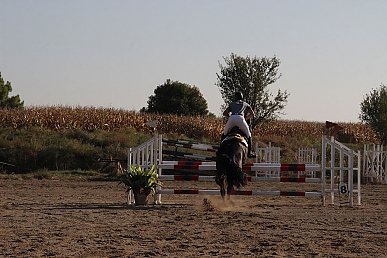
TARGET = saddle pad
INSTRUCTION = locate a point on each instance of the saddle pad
(237, 137)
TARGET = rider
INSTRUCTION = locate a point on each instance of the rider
(238, 112)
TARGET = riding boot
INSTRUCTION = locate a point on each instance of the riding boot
(250, 153)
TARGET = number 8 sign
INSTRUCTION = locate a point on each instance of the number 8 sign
(343, 189)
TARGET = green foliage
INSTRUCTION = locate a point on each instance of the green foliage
(5, 100)
(137, 178)
(373, 111)
(177, 98)
(38, 148)
(252, 76)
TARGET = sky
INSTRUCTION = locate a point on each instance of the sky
(113, 54)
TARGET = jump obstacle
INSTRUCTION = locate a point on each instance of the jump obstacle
(337, 167)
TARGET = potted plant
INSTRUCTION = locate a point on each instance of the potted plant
(143, 183)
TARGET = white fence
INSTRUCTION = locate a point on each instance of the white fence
(307, 156)
(267, 154)
(374, 164)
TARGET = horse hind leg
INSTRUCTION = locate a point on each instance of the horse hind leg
(230, 188)
(222, 191)
(222, 183)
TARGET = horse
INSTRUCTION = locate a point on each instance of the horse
(230, 158)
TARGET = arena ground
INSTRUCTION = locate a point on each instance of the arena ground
(68, 218)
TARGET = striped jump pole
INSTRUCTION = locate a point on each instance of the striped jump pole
(201, 165)
(189, 155)
(237, 192)
(249, 178)
(188, 145)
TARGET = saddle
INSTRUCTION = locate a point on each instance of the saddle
(236, 136)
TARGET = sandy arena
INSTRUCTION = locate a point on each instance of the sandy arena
(52, 218)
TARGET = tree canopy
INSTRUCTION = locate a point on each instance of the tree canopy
(5, 100)
(373, 111)
(252, 76)
(177, 98)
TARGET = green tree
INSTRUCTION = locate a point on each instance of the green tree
(5, 101)
(177, 98)
(373, 111)
(252, 76)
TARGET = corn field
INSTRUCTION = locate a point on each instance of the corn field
(108, 119)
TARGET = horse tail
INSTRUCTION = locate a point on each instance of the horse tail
(222, 164)
(229, 165)
(240, 178)
(235, 174)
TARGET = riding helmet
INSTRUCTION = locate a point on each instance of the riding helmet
(238, 96)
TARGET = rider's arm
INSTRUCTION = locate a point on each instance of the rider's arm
(249, 114)
(227, 112)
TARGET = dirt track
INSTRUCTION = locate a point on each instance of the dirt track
(47, 218)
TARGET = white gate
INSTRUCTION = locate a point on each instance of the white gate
(307, 156)
(374, 164)
(267, 154)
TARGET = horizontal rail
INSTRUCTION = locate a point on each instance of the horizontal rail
(338, 168)
(195, 146)
(189, 155)
(197, 165)
(249, 178)
(245, 192)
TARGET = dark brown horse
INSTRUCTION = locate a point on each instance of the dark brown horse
(230, 158)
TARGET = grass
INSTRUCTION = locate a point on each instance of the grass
(37, 149)
(56, 175)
